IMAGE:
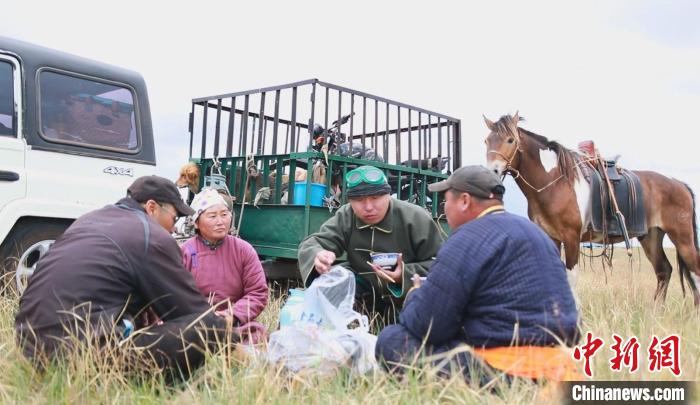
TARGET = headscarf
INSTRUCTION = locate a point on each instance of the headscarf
(206, 199)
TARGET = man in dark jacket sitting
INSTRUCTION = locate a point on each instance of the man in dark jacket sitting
(112, 266)
(497, 282)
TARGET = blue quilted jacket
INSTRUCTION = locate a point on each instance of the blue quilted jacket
(498, 280)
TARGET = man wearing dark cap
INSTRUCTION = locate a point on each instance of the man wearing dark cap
(373, 222)
(106, 271)
(497, 289)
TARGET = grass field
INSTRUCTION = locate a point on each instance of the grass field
(617, 300)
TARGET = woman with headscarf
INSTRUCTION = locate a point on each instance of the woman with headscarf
(226, 269)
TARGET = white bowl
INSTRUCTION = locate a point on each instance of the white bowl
(385, 260)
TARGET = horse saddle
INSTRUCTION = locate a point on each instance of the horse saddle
(629, 197)
(588, 148)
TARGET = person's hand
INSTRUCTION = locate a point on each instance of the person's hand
(416, 280)
(224, 312)
(148, 318)
(323, 261)
(231, 321)
(392, 276)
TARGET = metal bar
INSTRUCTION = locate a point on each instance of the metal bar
(410, 141)
(420, 137)
(307, 201)
(279, 172)
(345, 173)
(260, 127)
(397, 137)
(244, 127)
(364, 124)
(292, 172)
(449, 150)
(352, 161)
(352, 117)
(286, 140)
(276, 122)
(253, 114)
(231, 121)
(439, 138)
(252, 136)
(457, 144)
(255, 91)
(329, 175)
(201, 100)
(217, 131)
(264, 138)
(384, 100)
(266, 172)
(298, 137)
(204, 133)
(325, 122)
(294, 117)
(241, 151)
(233, 171)
(313, 113)
(244, 178)
(375, 143)
(253, 183)
(385, 138)
(430, 138)
(191, 128)
(398, 185)
(406, 129)
(340, 104)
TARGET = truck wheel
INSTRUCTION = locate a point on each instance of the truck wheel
(23, 248)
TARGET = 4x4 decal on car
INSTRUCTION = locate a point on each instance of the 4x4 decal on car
(122, 171)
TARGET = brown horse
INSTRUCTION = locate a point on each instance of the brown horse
(559, 200)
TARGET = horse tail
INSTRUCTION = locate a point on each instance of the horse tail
(683, 270)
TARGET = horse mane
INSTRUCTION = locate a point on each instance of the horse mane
(566, 158)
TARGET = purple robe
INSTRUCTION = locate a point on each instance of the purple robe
(230, 272)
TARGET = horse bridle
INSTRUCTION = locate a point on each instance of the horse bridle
(516, 173)
(509, 160)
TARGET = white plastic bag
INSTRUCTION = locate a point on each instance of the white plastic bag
(309, 347)
(329, 333)
(329, 299)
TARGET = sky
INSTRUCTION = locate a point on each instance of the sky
(623, 73)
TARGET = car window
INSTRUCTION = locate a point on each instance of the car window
(7, 101)
(87, 112)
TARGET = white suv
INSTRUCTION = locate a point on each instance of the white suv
(74, 133)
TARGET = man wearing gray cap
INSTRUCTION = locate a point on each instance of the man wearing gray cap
(497, 282)
(111, 266)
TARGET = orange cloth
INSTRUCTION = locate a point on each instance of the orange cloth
(535, 362)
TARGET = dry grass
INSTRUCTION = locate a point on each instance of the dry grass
(618, 301)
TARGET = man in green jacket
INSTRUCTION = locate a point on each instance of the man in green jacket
(373, 222)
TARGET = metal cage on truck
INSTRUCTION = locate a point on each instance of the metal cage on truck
(273, 129)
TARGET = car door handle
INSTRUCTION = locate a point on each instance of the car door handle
(8, 176)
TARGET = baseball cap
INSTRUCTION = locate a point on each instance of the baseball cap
(159, 189)
(475, 180)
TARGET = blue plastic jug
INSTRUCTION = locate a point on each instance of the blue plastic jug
(293, 309)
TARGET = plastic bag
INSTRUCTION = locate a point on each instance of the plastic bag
(329, 333)
(309, 347)
(328, 302)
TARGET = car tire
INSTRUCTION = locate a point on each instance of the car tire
(23, 247)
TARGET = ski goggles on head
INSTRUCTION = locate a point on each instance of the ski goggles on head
(365, 174)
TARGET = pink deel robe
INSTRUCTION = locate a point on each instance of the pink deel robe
(232, 271)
